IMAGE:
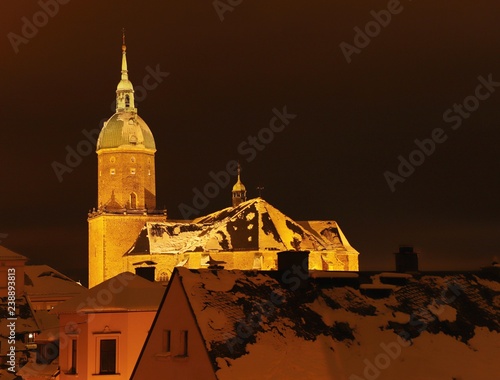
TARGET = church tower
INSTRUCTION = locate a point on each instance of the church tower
(239, 191)
(126, 184)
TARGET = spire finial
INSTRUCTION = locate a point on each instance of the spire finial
(124, 46)
(125, 89)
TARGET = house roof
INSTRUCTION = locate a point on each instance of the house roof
(254, 225)
(256, 326)
(7, 254)
(124, 292)
(44, 281)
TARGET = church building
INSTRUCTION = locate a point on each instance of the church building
(128, 233)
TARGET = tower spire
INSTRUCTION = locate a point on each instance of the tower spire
(125, 89)
(239, 190)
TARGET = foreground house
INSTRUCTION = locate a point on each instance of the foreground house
(232, 324)
(102, 331)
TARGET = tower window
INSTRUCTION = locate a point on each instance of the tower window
(127, 101)
(112, 171)
(132, 159)
(133, 200)
(132, 170)
(112, 160)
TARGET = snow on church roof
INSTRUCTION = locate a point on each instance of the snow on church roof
(254, 326)
(252, 225)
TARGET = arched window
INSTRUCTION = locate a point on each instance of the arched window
(133, 200)
(127, 101)
(163, 277)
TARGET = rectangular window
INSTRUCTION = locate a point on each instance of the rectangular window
(74, 353)
(132, 170)
(205, 258)
(112, 171)
(183, 348)
(107, 355)
(166, 340)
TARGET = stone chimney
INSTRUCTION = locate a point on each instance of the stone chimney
(406, 259)
(293, 268)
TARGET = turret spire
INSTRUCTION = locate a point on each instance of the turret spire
(239, 190)
(125, 89)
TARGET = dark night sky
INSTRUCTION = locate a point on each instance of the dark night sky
(353, 119)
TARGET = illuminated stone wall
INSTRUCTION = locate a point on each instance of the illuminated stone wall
(110, 237)
(125, 172)
(244, 260)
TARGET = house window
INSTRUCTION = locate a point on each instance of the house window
(107, 356)
(73, 357)
(183, 343)
(166, 340)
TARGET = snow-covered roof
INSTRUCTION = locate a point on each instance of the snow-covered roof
(254, 225)
(124, 292)
(256, 327)
(39, 371)
(44, 281)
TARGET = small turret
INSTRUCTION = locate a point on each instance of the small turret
(239, 190)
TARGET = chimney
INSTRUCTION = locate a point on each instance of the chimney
(293, 268)
(406, 259)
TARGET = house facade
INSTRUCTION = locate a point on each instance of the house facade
(102, 331)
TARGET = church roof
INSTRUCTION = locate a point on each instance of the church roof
(126, 130)
(254, 225)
